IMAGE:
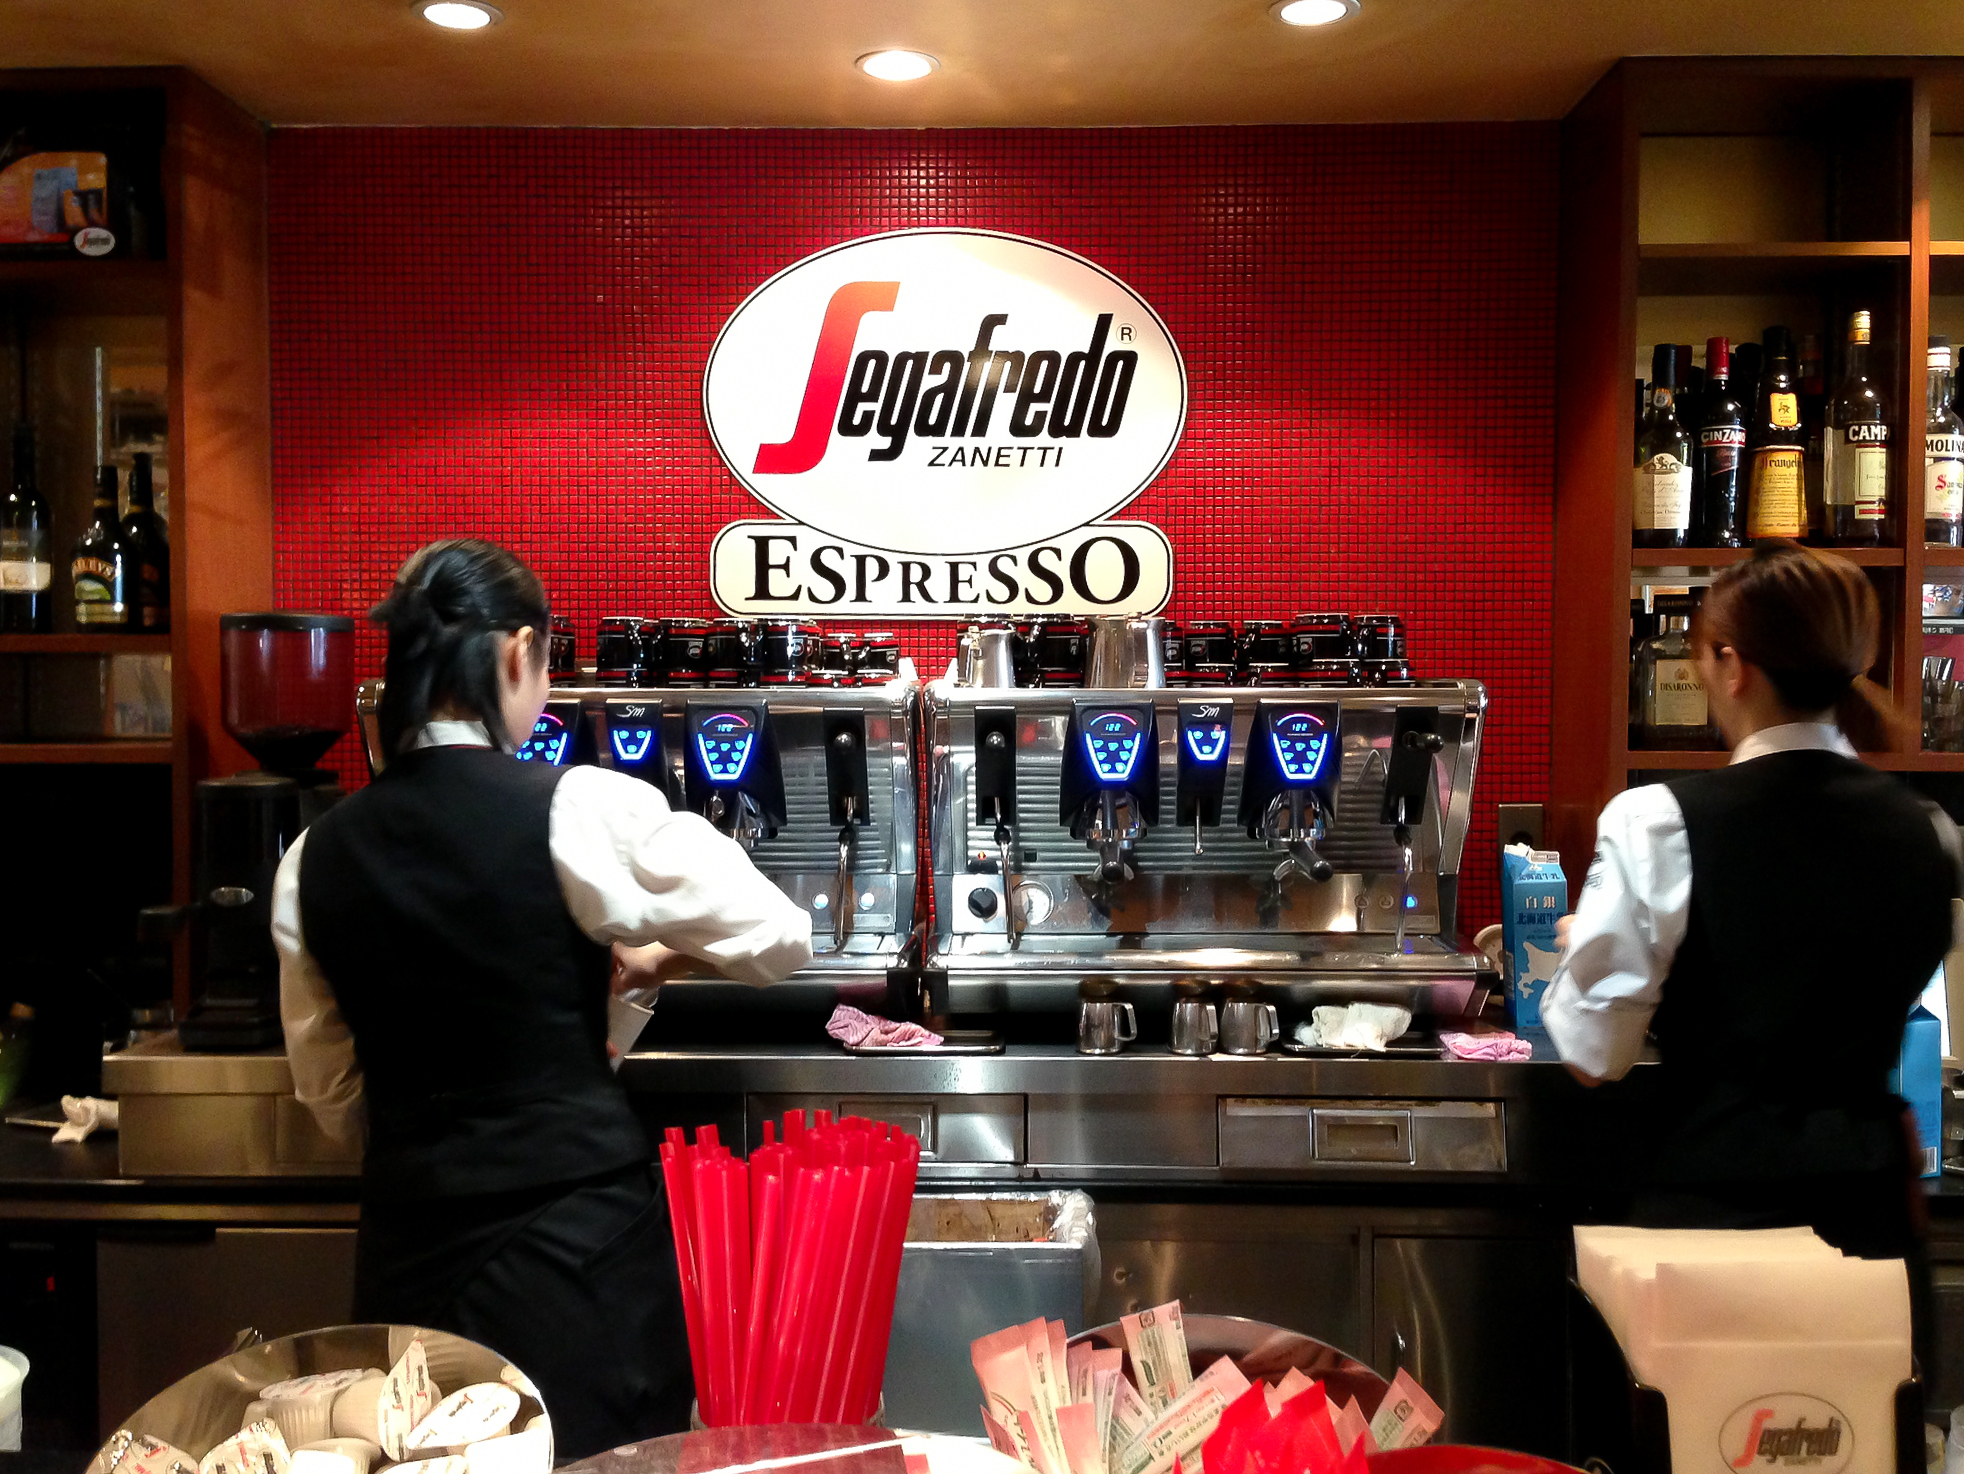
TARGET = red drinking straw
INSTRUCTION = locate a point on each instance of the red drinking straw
(763, 1292)
(681, 1223)
(736, 1205)
(848, 1291)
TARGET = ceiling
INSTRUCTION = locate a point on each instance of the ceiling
(1051, 63)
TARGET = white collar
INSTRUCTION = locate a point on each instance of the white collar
(452, 734)
(1793, 737)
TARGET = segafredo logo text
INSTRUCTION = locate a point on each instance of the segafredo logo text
(945, 392)
(1787, 1430)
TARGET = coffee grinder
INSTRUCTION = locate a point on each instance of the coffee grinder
(288, 690)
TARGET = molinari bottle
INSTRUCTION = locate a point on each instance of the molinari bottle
(1661, 497)
(149, 551)
(101, 569)
(1774, 442)
(1943, 455)
(1855, 466)
(1721, 455)
(27, 604)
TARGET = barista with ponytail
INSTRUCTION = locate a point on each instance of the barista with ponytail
(1770, 923)
(447, 937)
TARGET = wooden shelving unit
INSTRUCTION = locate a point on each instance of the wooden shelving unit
(66, 754)
(1736, 192)
(201, 289)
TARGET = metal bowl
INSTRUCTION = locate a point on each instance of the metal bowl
(1262, 1351)
(198, 1412)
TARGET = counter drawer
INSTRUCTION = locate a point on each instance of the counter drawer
(960, 1135)
(1268, 1134)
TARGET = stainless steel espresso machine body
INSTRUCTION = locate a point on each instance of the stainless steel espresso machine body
(1301, 838)
(818, 784)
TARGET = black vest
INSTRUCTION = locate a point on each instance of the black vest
(1820, 908)
(478, 1008)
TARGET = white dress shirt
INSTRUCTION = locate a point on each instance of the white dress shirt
(631, 869)
(1636, 903)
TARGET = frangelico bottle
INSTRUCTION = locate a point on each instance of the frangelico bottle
(1943, 454)
(1774, 444)
(27, 602)
(101, 568)
(1721, 476)
(149, 551)
(1661, 495)
(1855, 467)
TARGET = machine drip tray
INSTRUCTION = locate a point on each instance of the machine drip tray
(1417, 1044)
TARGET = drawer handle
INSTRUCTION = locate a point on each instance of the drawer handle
(1363, 1136)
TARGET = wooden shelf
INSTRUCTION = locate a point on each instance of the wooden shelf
(114, 288)
(1636, 759)
(108, 750)
(79, 644)
(1937, 555)
(1725, 557)
(1742, 267)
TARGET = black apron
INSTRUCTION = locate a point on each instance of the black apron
(507, 1192)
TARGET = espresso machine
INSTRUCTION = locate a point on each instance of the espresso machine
(816, 783)
(1299, 842)
(286, 679)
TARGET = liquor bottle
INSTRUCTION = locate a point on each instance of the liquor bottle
(1721, 479)
(1814, 421)
(1661, 499)
(1774, 444)
(1747, 361)
(1943, 454)
(1689, 398)
(1855, 467)
(27, 604)
(1641, 629)
(148, 550)
(101, 567)
(1675, 713)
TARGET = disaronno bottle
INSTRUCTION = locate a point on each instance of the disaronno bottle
(1943, 455)
(1856, 462)
(1674, 709)
(1660, 499)
(1777, 506)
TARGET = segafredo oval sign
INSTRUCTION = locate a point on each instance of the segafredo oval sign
(1787, 1430)
(945, 391)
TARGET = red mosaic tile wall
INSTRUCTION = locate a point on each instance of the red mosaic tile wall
(502, 333)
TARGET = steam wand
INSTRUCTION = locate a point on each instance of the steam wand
(842, 887)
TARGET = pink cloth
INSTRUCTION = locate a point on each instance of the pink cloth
(849, 1026)
(1498, 1046)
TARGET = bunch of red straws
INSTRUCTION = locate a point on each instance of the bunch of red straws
(789, 1266)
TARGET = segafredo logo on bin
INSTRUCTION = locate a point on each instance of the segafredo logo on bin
(945, 392)
(1787, 1430)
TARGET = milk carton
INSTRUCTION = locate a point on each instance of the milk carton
(1919, 1079)
(1533, 896)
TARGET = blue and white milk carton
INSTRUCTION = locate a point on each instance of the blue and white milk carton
(1919, 1079)
(1533, 896)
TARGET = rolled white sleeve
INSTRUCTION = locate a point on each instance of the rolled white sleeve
(319, 1048)
(1627, 929)
(633, 870)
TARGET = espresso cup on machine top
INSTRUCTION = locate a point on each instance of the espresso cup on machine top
(1105, 1025)
(1248, 1026)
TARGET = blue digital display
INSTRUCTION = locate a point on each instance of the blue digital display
(550, 741)
(632, 744)
(1411, 903)
(1208, 742)
(1113, 741)
(724, 742)
(1302, 744)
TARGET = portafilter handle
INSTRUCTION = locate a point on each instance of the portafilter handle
(1299, 836)
(842, 887)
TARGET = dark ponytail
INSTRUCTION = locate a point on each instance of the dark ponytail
(450, 603)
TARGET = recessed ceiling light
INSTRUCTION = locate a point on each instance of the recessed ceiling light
(1312, 12)
(460, 15)
(897, 66)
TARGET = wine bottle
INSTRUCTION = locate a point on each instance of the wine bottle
(1855, 466)
(101, 568)
(1721, 454)
(149, 551)
(1811, 381)
(1943, 454)
(1661, 494)
(27, 605)
(1774, 443)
